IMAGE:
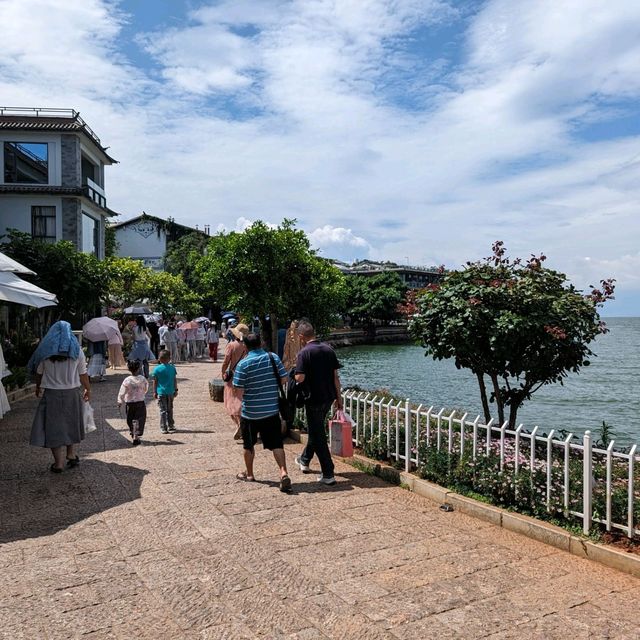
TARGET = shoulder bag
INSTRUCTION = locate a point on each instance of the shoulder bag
(287, 412)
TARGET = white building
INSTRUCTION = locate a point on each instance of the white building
(145, 238)
(52, 179)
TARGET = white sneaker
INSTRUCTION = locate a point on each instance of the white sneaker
(328, 481)
(303, 467)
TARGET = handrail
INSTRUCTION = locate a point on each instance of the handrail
(51, 113)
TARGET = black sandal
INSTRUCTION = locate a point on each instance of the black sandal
(73, 462)
(54, 469)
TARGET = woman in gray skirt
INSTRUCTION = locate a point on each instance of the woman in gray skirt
(60, 370)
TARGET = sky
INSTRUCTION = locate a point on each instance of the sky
(418, 131)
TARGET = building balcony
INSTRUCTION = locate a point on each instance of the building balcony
(94, 192)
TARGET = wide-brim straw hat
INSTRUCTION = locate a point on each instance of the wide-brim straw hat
(240, 331)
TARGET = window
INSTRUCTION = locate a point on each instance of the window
(88, 170)
(43, 224)
(90, 232)
(26, 163)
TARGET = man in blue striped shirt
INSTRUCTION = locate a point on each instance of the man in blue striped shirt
(256, 377)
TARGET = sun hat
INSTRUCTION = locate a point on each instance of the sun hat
(240, 331)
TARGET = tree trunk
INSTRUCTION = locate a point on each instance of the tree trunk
(498, 396)
(483, 396)
(513, 414)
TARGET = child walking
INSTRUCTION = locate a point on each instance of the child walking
(132, 392)
(165, 389)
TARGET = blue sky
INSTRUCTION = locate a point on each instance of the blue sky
(418, 130)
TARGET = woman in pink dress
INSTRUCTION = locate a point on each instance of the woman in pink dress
(233, 353)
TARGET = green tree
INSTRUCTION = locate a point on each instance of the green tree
(518, 324)
(129, 281)
(271, 272)
(78, 279)
(181, 259)
(371, 298)
(111, 245)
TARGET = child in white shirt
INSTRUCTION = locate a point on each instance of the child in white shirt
(132, 392)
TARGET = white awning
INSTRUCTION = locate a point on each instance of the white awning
(15, 289)
(9, 264)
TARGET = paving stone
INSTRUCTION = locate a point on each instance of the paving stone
(162, 542)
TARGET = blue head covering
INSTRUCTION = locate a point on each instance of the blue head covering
(59, 341)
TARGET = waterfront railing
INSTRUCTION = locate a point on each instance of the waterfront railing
(561, 473)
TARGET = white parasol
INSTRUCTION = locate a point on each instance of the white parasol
(103, 328)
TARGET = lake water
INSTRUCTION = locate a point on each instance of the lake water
(608, 389)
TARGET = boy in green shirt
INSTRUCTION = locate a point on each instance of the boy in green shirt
(165, 389)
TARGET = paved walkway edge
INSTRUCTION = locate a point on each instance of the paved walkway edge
(524, 525)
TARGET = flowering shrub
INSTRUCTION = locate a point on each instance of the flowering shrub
(524, 491)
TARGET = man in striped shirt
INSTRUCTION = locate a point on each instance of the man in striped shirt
(256, 377)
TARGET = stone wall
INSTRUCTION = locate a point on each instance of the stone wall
(71, 161)
(382, 335)
(72, 221)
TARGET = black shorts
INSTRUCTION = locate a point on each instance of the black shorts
(268, 428)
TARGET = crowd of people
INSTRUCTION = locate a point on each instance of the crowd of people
(253, 382)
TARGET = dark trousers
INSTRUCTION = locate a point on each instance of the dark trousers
(213, 351)
(317, 437)
(136, 411)
(154, 344)
(165, 404)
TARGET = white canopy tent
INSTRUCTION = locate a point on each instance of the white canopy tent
(9, 264)
(14, 289)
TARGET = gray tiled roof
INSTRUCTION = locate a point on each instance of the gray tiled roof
(51, 123)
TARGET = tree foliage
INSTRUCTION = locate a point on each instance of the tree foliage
(83, 284)
(129, 281)
(273, 272)
(519, 324)
(78, 279)
(376, 297)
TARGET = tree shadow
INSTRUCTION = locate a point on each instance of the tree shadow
(42, 503)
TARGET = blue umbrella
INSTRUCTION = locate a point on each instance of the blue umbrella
(228, 314)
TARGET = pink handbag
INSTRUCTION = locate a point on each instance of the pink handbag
(340, 435)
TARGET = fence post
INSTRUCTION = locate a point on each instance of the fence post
(516, 462)
(502, 430)
(389, 426)
(380, 405)
(439, 428)
(549, 463)
(429, 425)
(418, 410)
(373, 402)
(533, 450)
(407, 436)
(609, 474)
(364, 417)
(462, 426)
(475, 436)
(489, 426)
(450, 434)
(587, 484)
(397, 407)
(630, 506)
(567, 458)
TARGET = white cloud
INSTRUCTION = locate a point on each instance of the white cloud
(324, 137)
(335, 237)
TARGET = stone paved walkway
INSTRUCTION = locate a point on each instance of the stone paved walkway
(161, 542)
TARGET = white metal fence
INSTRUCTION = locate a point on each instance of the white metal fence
(574, 477)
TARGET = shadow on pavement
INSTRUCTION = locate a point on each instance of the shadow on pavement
(43, 503)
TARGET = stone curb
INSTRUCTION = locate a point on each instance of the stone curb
(524, 525)
(21, 394)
